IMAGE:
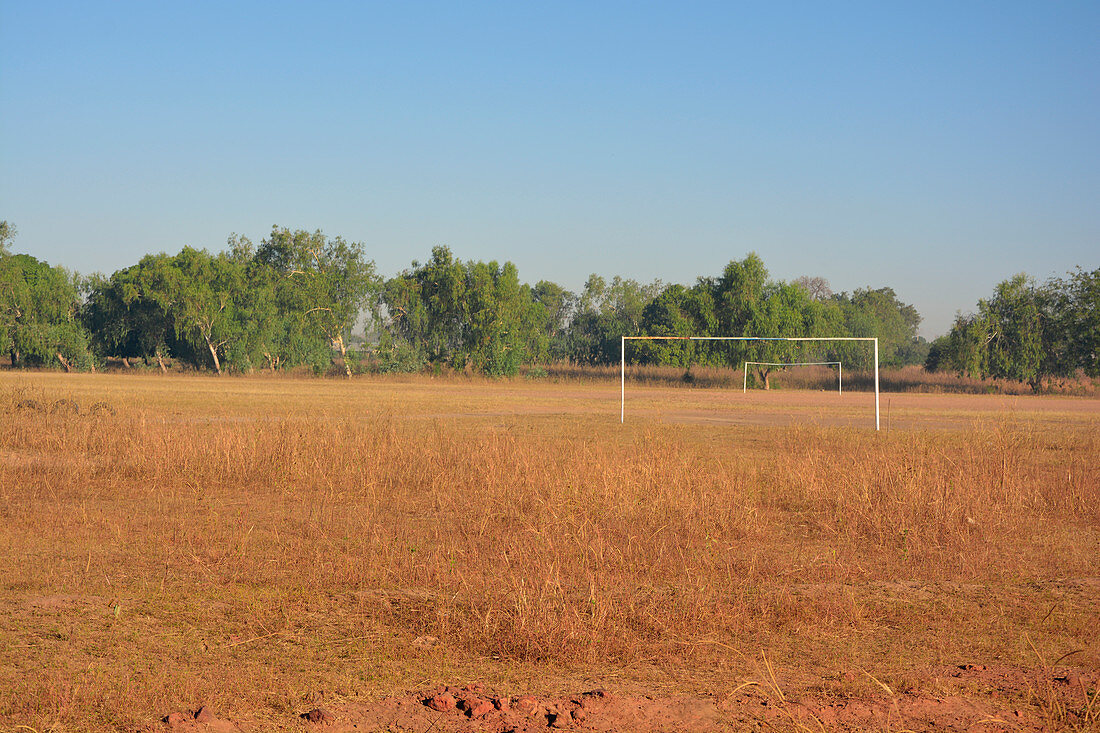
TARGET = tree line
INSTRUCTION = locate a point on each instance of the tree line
(478, 315)
(1027, 332)
(303, 299)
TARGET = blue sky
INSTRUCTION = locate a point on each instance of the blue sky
(934, 147)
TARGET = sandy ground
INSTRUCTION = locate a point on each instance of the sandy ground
(214, 399)
(896, 411)
(473, 708)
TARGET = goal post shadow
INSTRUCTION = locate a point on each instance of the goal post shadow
(624, 339)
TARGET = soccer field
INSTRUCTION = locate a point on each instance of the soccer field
(270, 546)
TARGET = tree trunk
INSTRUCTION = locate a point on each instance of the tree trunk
(765, 374)
(344, 355)
(14, 358)
(64, 362)
(214, 353)
(126, 363)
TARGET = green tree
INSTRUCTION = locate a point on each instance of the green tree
(1075, 317)
(475, 315)
(7, 236)
(557, 309)
(785, 310)
(494, 342)
(879, 313)
(605, 313)
(206, 298)
(1015, 341)
(39, 314)
(426, 308)
(323, 284)
(676, 311)
(1011, 337)
(968, 346)
(122, 320)
(742, 301)
(739, 295)
(257, 315)
(194, 305)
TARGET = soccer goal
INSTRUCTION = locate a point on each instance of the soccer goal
(839, 370)
(622, 405)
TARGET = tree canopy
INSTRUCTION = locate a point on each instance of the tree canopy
(295, 300)
(1027, 332)
(288, 303)
(39, 311)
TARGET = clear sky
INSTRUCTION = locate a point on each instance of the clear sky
(934, 147)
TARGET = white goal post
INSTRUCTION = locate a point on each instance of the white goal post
(624, 339)
(839, 370)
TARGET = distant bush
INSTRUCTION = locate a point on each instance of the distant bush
(401, 357)
(537, 372)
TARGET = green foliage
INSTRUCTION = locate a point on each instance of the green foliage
(39, 309)
(297, 296)
(196, 306)
(7, 235)
(1075, 317)
(964, 349)
(1027, 332)
(122, 322)
(426, 307)
(321, 286)
(39, 312)
(494, 332)
(1015, 343)
(671, 314)
(401, 357)
(207, 300)
(285, 304)
(294, 300)
(744, 301)
(474, 315)
(605, 313)
(741, 301)
(556, 304)
(878, 312)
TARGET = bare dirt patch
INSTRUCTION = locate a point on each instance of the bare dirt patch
(964, 697)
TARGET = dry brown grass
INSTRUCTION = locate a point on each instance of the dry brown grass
(264, 544)
(905, 379)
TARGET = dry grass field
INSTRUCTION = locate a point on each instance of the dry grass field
(265, 547)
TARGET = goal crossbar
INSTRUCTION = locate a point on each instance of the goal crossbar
(624, 339)
(839, 370)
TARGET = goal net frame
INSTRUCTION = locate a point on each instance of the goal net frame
(624, 339)
(839, 370)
